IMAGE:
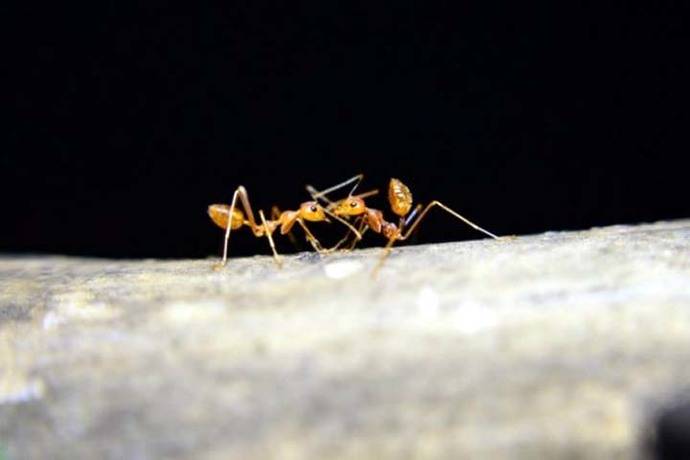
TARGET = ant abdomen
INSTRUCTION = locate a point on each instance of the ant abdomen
(399, 197)
(219, 215)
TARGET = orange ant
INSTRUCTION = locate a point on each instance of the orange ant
(400, 200)
(232, 218)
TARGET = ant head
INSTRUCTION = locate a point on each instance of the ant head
(352, 206)
(312, 211)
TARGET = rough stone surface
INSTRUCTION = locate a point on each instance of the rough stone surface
(560, 345)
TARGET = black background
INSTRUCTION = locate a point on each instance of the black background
(126, 122)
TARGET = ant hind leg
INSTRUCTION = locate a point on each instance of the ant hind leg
(267, 231)
(449, 211)
(226, 243)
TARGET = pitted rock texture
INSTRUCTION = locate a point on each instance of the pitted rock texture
(559, 345)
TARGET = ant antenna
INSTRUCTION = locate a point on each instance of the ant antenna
(321, 194)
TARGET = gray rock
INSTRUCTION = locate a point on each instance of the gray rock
(560, 345)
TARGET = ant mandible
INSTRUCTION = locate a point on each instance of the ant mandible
(232, 218)
(400, 200)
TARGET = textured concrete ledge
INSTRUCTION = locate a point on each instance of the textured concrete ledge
(560, 345)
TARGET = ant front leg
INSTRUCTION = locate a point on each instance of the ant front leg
(311, 238)
(358, 236)
(363, 227)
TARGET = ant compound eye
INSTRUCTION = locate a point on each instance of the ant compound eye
(313, 208)
(353, 204)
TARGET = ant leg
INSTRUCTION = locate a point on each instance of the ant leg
(311, 238)
(317, 245)
(389, 246)
(244, 199)
(450, 211)
(363, 227)
(398, 237)
(352, 229)
(270, 239)
(240, 192)
(339, 243)
(386, 252)
(358, 236)
(226, 243)
(404, 223)
(345, 238)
